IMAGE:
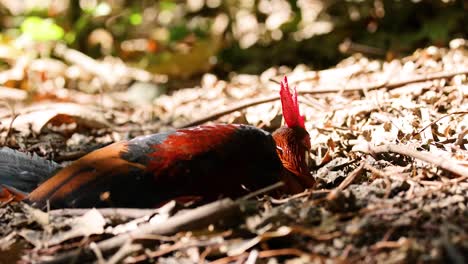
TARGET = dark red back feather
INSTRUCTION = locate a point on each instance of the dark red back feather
(185, 144)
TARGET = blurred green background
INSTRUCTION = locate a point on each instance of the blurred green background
(187, 38)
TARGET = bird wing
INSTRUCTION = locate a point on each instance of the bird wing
(82, 180)
(123, 168)
(186, 144)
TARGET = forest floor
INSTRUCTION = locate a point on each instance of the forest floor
(389, 151)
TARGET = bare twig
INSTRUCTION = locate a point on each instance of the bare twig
(438, 119)
(350, 47)
(388, 184)
(390, 244)
(312, 194)
(106, 212)
(263, 190)
(179, 245)
(14, 115)
(97, 252)
(263, 254)
(124, 251)
(346, 182)
(441, 162)
(315, 234)
(460, 139)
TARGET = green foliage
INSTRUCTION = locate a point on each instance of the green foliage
(41, 29)
(178, 32)
(135, 18)
(256, 35)
(167, 5)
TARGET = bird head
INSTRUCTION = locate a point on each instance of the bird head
(293, 142)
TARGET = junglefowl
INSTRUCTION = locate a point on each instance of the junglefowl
(200, 163)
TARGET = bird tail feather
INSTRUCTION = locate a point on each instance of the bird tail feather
(9, 194)
(20, 173)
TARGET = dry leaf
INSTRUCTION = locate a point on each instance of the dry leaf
(38, 116)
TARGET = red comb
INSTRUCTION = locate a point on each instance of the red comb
(290, 105)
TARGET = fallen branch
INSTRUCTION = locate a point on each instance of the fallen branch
(106, 212)
(460, 139)
(264, 254)
(262, 191)
(441, 162)
(315, 194)
(179, 245)
(346, 182)
(14, 115)
(438, 119)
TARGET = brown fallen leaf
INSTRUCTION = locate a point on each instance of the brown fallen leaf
(37, 117)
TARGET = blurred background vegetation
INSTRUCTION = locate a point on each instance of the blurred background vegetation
(187, 38)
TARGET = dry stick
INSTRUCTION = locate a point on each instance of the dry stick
(386, 85)
(190, 219)
(460, 138)
(262, 191)
(440, 118)
(14, 115)
(106, 212)
(179, 245)
(264, 254)
(310, 193)
(97, 252)
(388, 184)
(441, 162)
(127, 249)
(350, 47)
(346, 182)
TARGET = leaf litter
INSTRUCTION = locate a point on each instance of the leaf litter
(389, 150)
